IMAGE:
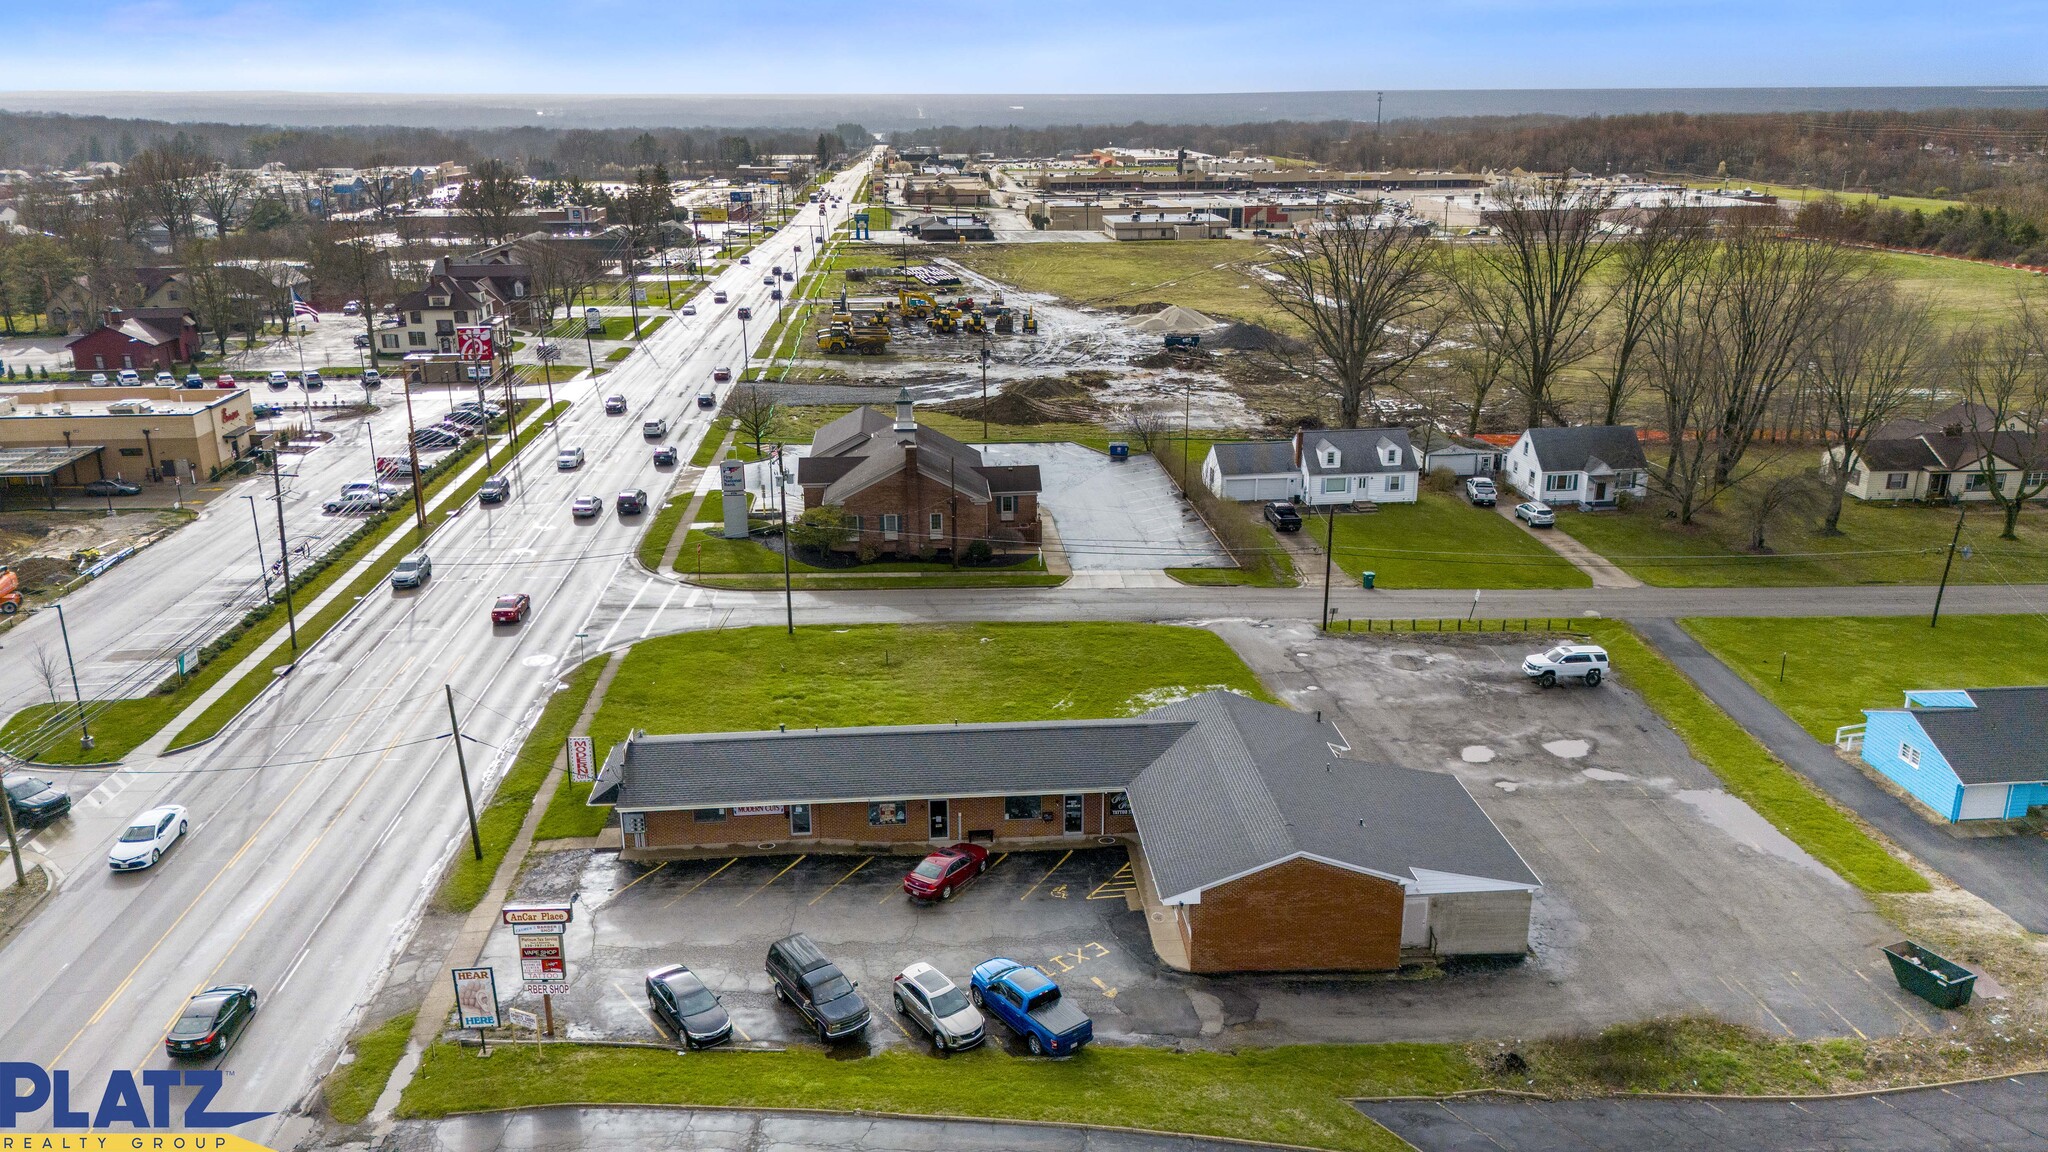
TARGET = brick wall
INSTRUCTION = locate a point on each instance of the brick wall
(849, 824)
(915, 497)
(1298, 916)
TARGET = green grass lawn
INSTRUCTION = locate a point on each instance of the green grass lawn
(1880, 544)
(1209, 276)
(1749, 771)
(1799, 194)
(352, 1090)
(1440, 541)
(617, 354)
(707, 554)
(755, 678)
(1837, 666)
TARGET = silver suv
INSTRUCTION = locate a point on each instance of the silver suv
(1583, 662)
(412, 571)
(940, 1007)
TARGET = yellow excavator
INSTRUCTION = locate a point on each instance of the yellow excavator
(1030, 322)
(915, 305)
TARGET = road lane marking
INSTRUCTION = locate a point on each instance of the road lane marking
(841, 880)
(1047, 876)
(771, 880)
(700, 883)
(656, 617)
(630, 605)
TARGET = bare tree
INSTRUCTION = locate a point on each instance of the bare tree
(560, 271)
(1479, 366)
(1148, 426)
(346, 257)
(1535, 286)
(755, 413)
(164, 183)
(2003, 371)
(221, 194)
(1781, 493)
(49, 670)
(1369, 299)
(1688, 350)
(1864, 369)
(490, 198)
(1665, 247)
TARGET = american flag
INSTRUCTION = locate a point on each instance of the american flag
(301, 308)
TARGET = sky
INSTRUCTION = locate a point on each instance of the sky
(780, 46)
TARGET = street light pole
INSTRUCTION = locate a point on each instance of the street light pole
(412, 448)
(262, 565)
(284, 552)
(84, 734)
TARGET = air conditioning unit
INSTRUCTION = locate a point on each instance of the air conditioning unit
(130, 407)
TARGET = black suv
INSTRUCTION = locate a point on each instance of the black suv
(816, 987)
(1283, 517)
(632, 501)
(614, 405)
(494, 491)
(36, 803)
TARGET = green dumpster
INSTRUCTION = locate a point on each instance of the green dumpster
(1367, 579)
(1932, 977)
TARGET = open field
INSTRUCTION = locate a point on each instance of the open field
(1206, 275)
(708, 555)
(1440, 541)
(1836, 666)
(1798, 194)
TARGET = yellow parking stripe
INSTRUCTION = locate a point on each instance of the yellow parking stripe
(703, 882)
(842, 879)
(1047, 876)
(637, 879)
(771, 880)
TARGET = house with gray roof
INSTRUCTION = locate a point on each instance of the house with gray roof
(1592, 465)
(1357, 466)
(1955, 454)
(1968, 754)
(1261, 470)
(1253, 830)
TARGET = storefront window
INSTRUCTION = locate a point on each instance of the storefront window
(1021, 807)
(888, 812)
(1119, 804)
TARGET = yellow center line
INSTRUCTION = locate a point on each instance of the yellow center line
(700, 883)
(1047, 876)
(842, 879)
(639, 878)
(771, 880)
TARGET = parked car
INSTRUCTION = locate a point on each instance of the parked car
(224, 380)
(279, 381)
(99, 378)
(632, 502)
(494, 491)
(945, 871)
(664, 455)
(585, 506)
(110, 488)
(1536, 513)
(412, 571)
(164, 380)
(260, 410)
(805, 980)
(1480, 491)
(312, 381)
(212, 1021)
(614, 405)
(511, 608)
(569, 459)
(679, 997)
(37, 803)
(352, 308)
(1586, 663)
(721, 374)
(194, 380)
(437, 438)
(939, 1006)
(1282, 516)
(485, 407)
(386, 494)
(147, 838)
(372, 378)
(654, 428)
(128, 376)
(1029, 1004)
(468, 418)
(357, 505)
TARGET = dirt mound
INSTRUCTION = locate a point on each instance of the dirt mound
(38, 573)
(1190, 358)
(1145, 309)
(1242, 337)
(1174, 319)
(1043, 400)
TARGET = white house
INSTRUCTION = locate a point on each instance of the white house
(1590, 466)
(1458, 455)
(1260, 470)
(1944, 458)
(1356, 465)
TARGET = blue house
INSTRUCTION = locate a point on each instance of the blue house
(1966, 753)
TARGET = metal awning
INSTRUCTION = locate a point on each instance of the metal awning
(43, 463)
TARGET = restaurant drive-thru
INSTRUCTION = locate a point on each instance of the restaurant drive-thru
(1270, 846)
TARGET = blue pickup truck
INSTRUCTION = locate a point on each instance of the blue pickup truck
(1029, 1003)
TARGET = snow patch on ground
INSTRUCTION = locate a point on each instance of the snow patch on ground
(1170, 694)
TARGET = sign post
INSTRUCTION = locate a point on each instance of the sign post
(542, 968)
(476, 1003)
(582, 760)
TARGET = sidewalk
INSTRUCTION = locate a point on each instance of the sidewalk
(1603, 572)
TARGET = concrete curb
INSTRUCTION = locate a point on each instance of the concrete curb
(1774, 1098)
(50, 880)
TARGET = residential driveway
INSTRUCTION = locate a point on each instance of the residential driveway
(1115, 517)
(2006, 871)
(2010, 1115)
(1662, 893)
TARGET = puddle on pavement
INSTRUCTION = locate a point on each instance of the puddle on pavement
(1475, 754)
(1506, 785)
(1604, 775)
(1740, 821)
(1408, 661)
(1568, 749)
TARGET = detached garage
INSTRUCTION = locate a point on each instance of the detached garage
(1258, 470)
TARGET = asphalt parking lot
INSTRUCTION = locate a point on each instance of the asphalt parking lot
(1114, 516)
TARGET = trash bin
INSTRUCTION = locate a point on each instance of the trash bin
(1118, 450)
(1934, 978)
(1367, 579)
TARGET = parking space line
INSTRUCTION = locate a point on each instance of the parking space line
(771, 880)
(637, 879)
(703, 882)
(742, 1031)
(1120, 884)
(872, 1010)
(842, 879)
(1047, 876)
(641, 1009)
(992, 864)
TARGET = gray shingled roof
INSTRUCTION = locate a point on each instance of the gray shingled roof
(2003, 740)
(1573, 449)
(1358, 450)
(1255, 458)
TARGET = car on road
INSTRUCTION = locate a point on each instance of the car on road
(569, 459)
(312, 381)
(372, 378)
(212, 1021)
(718, 297)
(939, 1006)
(37, 803)
(689, 309)
(585, 506)
(664, 455)
(768, 280)
(655, 427)
(632, 502)
(706, 400)
(789, 276)
(352, 308)
(746, 259)
(147, 838)
(1536, 513)
(511, 608)
(412, 571)
(1029, 1004)
(1282, 516)
(614, 405)
(1586, 663)
(1480, 491)
(437, 438)
(110, 488)
(945, 871)
(279, 381)
(775, 295)
(721, 375)
(805, 980)
(224, 380)
(128, 376)
(679, 998)
(744, 312)
(494, 491)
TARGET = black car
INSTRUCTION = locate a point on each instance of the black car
(1283, 517)
(664, 455)
(632, 501)
(110, 488)
(212, 1021)
(805, 980)
(494, 491)
(37, 803)
(679, 999)
(614, 405)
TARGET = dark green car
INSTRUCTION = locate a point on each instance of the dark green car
(212, 1021)
(36, 803)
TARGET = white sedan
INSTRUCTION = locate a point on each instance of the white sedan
(147, 838)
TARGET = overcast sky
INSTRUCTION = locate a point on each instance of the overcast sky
(784, 46)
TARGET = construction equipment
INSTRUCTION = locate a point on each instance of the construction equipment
(944, 321)
(1179, 340)
(915, 305)
(1030, 322)
(1004, 324)
(974, 322)
(10, 591)
(864, 332)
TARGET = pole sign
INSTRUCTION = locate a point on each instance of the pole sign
(540, 960)
(548, 353)
(521, 1018)
(582, 760)
(476, 997)
(473, 342)
(732, 485)
(741, 197)
(516, 914)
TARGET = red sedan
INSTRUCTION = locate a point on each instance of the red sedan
(945, 872)
(511, 609)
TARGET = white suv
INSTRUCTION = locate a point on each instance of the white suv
(1584, 662)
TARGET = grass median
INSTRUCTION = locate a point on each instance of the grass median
(1751, 773)
(352, 1090)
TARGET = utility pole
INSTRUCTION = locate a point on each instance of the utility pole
(1329, 552)
(284, 552)
(13, 842)
(476, 842)
(412, 448)
(984, 387)
(485, 412)
(1935, 619)
(262, 565)
(782, 514)
(84, 735)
